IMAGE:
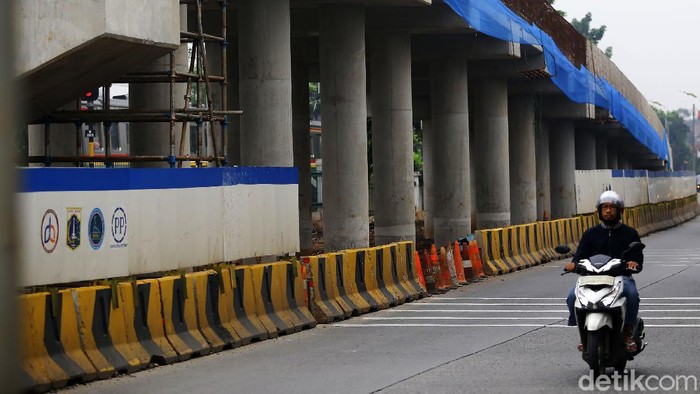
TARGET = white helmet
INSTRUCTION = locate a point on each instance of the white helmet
(610, 197)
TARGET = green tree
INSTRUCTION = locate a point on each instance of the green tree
(678, 138)
(594, 35)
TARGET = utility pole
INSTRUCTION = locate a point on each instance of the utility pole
(694, 153)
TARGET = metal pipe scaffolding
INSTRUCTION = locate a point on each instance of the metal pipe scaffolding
(206, 110)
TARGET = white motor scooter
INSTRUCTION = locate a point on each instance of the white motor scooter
(600, 311)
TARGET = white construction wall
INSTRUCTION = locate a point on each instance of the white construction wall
(84, 224)
(637, 187)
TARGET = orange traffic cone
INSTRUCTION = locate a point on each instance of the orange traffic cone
(438, 272)
(476, 260)
(468, 271)
(459, 268)
(445, 270)
(452, 265)
(419, 269)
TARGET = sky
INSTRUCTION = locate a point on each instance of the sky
(654, 44)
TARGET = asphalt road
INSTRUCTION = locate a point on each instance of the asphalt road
(503, 335)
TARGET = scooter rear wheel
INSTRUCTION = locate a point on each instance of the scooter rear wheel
(595, 352)
(620, 367)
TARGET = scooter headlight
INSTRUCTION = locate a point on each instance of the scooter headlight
(612, 295)
(582, 295)
(596, 295)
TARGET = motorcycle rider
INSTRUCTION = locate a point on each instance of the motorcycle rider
(611, 238)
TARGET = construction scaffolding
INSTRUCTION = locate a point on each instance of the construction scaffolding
(202, 109)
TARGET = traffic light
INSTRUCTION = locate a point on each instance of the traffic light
(91, 95)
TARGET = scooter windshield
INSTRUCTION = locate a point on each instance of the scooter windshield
(599, 260)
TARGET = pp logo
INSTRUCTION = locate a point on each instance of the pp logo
(49, 231)
(119, 226)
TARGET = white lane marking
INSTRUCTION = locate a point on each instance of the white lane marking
(673, 265)
(496, 325)
(429, 301)
(543, 304)
(495, 298)
(519, 310)
(672, 325)
(460, 318)
(508, 318)
(444, 325)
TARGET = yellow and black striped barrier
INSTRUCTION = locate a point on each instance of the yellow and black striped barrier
(51, 351)
(324, 303)
(145, 331)
(237, 305)
(180, 317)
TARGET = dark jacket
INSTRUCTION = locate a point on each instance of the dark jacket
(609, 241)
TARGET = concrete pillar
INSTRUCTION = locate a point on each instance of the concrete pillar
(601, 153)
(492, 161)
(265, 83)
(585, 150)
(612, 158)
(428, 176)
(149, 139)
(523, 167)
(472, 166)
(450, 109)
(544, 201)
(302, 151)
(563, 184)
(344, 114)
(392, 138)
(623, 162)
(9, 364)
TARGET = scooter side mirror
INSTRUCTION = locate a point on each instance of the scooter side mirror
(634, 247)
(562, 249)
(637, 246)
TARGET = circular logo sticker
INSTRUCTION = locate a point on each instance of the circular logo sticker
(96, 228)
(119, 225)
(49, 231)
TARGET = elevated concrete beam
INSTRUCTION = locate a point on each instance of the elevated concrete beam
(62, 53)
(465, 46)
(522, 65)
(438, 18)
(364, 3)
(563, 109)
(542, 86)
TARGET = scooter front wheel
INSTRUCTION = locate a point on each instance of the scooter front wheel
(595, 352)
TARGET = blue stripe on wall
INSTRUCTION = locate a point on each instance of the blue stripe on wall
(34, 180)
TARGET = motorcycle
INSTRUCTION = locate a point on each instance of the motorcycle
(600, 311)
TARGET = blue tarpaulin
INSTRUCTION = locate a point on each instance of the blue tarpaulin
(494, 19)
